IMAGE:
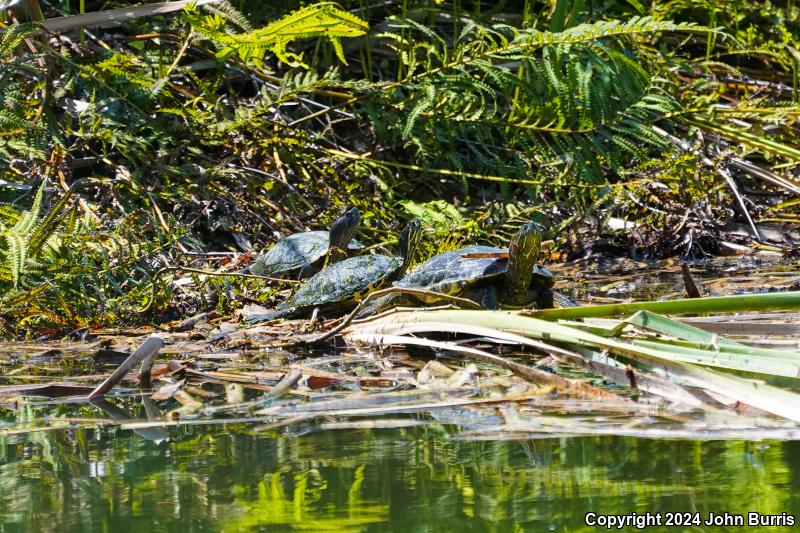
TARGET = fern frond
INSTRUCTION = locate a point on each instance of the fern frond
(227, 12)
(604, 29)
(318, 20)
(51, 222)
(17, 237)
(8, 214)
(581, 96)
(437, 214)
(12, 36)
(9, 121)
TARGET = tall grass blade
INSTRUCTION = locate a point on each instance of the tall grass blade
(782, 301)
(757, 394)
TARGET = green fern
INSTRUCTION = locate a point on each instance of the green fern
(437, 214)
(226, 11)
(21, 131)
(318, 20)
(24, 239)
(18, 236)
(582, 97)
(12, 36)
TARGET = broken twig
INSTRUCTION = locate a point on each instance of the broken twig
(143, 354)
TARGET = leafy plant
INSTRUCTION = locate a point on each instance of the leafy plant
(232, 130)
(21, 130)
(436, 214)
(26, 237)
(582, 96)
(318, 20)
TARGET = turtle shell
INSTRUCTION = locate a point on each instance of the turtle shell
(452, 273)
(344, 281)
(295, 252)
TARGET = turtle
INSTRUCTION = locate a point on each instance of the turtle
(306, 252)
(493, 277)
(340, 285)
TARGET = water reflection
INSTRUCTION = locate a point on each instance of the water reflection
(412, 479)
(421, 478)
(154, 434)
(599, 278)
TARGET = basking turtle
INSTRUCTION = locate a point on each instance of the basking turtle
(341, 284)
(306, 252)
(492, 277)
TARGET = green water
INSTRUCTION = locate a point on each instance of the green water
(425, 478)
(413, 479)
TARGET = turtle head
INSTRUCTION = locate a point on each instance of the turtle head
(342, 231)
(407, 243)
(523, 251)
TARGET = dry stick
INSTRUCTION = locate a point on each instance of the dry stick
(179, 55)
(647, 383)
(192, 321)
(285, 183)
(766, 175)
(303, 416)
(391, 290)
(688, 281)
(526, 372)
(71, 189)
(729, 180)
(407, 397)
(154, 434)
(206, 422)
(163, 222)
(283, 423)
(116, 16)
(724, 173)
(495, 335)
(145, 351)
(650, 384)
(280, 389)
(273, 82)
(145, 372)
(440, 171)
(409, 408)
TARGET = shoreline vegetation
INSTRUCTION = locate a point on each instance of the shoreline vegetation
(139, 140)
(150, 153)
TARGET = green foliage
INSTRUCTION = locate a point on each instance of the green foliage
(25, 238)
(438, 214)
(229, 129)
(153, 147)
(61, 269)
(21, 130)
(318, 20)
(581, 96)
(446, 227)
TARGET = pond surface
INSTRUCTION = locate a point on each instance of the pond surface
(419, 475)
(411, 479)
